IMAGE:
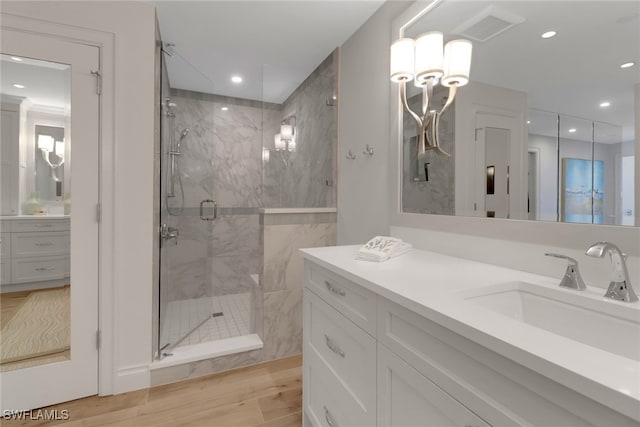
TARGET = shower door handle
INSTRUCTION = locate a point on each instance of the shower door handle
(215, 210)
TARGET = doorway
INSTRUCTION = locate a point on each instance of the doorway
(49, 286)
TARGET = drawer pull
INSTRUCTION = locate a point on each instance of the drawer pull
(45, 244)
(45, 268)
(329, 418)
(334, 290)
(333, 347)
(43, 225)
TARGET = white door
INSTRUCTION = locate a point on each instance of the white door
(499, 179)
(77, 375)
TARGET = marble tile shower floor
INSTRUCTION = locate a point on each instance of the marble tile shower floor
(184, 315)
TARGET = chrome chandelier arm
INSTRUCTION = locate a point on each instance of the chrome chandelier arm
(452, 95)
(405, 103)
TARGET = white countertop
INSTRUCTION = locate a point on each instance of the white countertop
(33, 217)
(429, 284)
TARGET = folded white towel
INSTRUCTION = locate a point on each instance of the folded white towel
(382, 248)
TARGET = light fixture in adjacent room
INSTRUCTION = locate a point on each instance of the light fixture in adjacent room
(19, 86)
(572, 130)
(628, 64)
(548, 34)
(236, 79)
(605, 104)
(224, 108)
(425, 61)
(48, 145)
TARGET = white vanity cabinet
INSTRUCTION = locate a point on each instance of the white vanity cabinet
(35, 252)
(369, 361)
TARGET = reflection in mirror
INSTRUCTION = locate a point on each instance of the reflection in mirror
(35, 153)
(49, 161)
(566, 100)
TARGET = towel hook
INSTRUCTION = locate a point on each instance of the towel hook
(350, 155)
(368, 150)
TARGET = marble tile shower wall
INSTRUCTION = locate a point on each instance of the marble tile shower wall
(221, 160)
(306, 178)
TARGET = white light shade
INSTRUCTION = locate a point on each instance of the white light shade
(292, 145)
(279, 143)
(402, 58)
(60, 148)
(428, 62)
(457, 63)
(45, 142)
(286, 132)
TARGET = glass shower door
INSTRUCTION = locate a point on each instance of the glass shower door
(187, 213)
(210, 195)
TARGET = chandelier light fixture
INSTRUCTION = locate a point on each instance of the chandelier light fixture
(424, 61)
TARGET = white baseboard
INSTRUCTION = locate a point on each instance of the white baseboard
(132, 378)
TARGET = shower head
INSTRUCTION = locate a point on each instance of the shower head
(183, 135)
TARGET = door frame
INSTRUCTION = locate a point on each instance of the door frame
(105, 42)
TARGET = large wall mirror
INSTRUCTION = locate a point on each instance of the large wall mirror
(546, 127)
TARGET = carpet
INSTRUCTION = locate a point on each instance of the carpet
(40, 327)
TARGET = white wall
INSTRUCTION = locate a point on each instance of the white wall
(127, 185)
(363, 210)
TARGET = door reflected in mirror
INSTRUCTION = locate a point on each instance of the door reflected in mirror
(570, 100)
(35, 280)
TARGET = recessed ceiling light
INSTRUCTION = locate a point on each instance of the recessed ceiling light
(627, 65)
(572, 130)
(605, 104)
(15, 58)
(548, 34)
(528, 122)
(236, 79)
(224, 108)
(19, 86)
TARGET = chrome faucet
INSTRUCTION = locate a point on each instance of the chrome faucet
(572, 278)
(620, 287)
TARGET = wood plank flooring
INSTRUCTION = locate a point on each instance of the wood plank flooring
(264, 395)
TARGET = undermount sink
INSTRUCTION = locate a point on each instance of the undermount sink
(585, 316)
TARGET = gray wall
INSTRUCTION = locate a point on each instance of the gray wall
(306, 178)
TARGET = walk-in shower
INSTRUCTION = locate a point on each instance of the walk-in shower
(210, 256)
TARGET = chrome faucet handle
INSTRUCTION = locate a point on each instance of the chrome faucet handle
(620, 286)
(572, 278)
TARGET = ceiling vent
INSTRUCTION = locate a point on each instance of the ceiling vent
(487, 24)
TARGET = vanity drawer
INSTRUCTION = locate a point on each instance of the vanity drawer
(39, 225)
(345, 348)
(352, 300)
(5, 245)
(326, 401)
(37, 269)
(5, 271)
(40, 244)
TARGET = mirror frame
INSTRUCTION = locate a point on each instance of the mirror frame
(548, 233)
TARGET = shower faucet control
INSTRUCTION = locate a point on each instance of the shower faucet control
(169, 233)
